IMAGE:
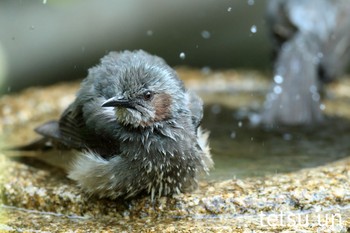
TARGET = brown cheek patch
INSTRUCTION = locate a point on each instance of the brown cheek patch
(161, 103)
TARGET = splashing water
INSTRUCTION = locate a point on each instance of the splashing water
(149, 33)
(205, 34)
(253, 29)
(251, 2)
(182, 56)
(277, 90)
(278, 79)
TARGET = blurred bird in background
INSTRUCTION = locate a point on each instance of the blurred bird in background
(311, 46)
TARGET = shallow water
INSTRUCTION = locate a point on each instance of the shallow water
(242, 149)
(257, 151)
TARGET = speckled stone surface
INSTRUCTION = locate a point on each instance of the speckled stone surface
(43, 196)
(39, 198)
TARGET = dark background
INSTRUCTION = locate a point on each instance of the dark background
(45, 41)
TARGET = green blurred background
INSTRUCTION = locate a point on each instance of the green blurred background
(45, 41)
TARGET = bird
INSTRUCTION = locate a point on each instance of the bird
(135, 129)
(311, 47)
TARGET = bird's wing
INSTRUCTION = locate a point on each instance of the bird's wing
(72, 128)
(75, 133)
(67, 131)
(51, 139)
(71, 132)
(49, 129)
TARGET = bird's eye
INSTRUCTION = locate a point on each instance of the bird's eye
(147, 95)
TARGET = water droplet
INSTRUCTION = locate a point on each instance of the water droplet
(32, 27)
(313, 89)
(149, 33)
(44, 1)
(254, 119)
(216, 109)
(253, 29)
(277, 90)
(205, 34)
(315, 60)
(287, 137)
(182, 55)
(316, 97)
(240, 124)
(233, 135)
(271, 96)
(251, 139)
(206, 70)
(251, 2)
(229, 9)
(322, 107)
(278, 79)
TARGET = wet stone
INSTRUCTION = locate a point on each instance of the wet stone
(36, 196)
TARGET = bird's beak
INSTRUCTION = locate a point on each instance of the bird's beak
(118, 102)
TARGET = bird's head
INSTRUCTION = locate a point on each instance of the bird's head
(142, 89)
(143, 108)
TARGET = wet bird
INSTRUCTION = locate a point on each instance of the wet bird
(311, 44)
(136, 127)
